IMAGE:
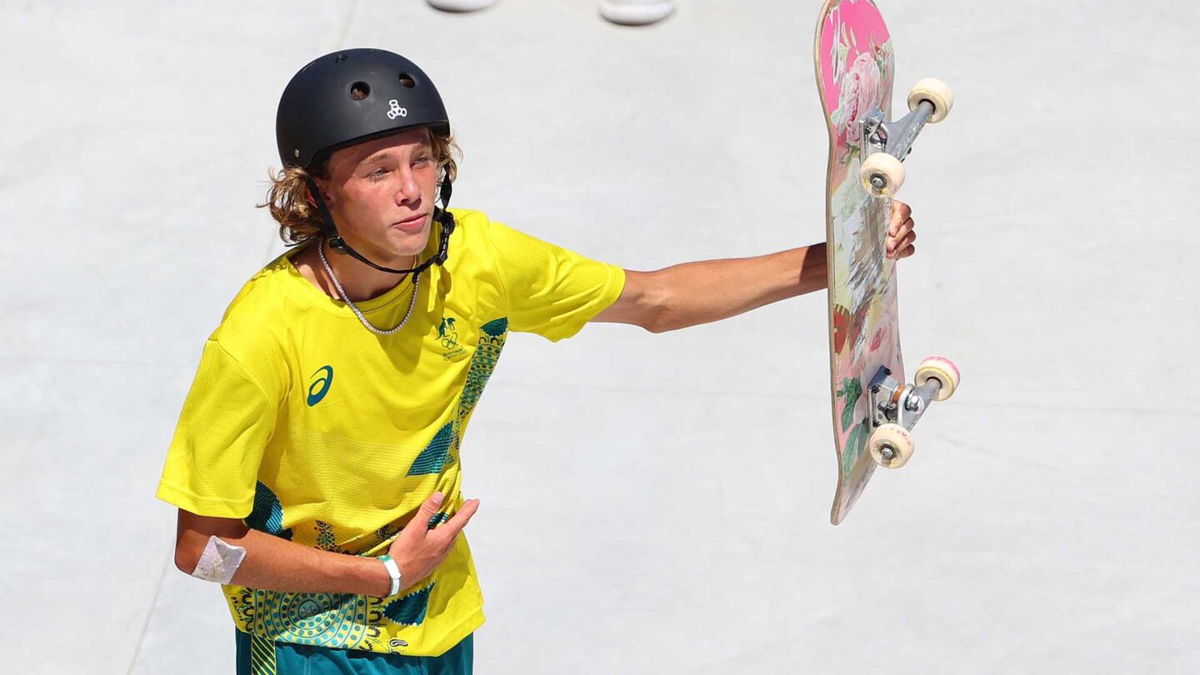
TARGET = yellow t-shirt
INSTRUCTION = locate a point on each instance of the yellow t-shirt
(309, 427)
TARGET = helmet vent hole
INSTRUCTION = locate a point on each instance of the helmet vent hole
(360, 90)
(407, 81)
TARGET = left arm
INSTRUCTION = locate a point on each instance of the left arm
(701, 292)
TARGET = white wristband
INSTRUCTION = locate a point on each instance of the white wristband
(393, 571)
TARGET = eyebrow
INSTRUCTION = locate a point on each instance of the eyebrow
(385, 153)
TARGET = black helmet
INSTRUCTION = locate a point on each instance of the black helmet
(352, 96)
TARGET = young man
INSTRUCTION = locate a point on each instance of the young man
(316, 464)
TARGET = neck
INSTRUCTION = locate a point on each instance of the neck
(360, 280)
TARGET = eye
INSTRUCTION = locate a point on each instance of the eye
(377, 173)
(422, 160)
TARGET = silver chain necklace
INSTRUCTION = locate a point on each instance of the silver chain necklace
(345, 298)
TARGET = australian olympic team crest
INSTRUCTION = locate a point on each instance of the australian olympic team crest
(447, 337)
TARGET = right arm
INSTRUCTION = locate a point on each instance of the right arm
(272, 563)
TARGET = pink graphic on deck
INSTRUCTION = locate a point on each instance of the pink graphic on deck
(846, 45)
(856, 57)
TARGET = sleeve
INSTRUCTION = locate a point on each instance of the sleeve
(549, 290)
(227, 420)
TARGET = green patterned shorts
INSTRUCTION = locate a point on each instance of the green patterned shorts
(255, 657)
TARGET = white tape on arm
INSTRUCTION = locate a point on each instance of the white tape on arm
(219, 561)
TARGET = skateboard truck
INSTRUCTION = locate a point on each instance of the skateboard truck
(886, 144)
(896, 407)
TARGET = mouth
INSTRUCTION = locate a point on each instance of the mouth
(413, 224)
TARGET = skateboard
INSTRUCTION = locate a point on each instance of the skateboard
(874, 409)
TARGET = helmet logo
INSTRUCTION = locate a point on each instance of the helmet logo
(396, 110)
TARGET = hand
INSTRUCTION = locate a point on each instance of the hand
(418, 549)
(900, 232)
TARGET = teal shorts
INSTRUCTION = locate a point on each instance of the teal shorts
(289, 659)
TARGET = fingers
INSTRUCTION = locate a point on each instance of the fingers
(901, 234)
(901, 213)
(901, 216)
(420, 548)
(426, 512)
(456, 524)
(902, 247)
(899, 229)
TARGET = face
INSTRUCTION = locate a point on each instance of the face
(381, 194)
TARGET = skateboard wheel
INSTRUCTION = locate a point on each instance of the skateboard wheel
(881, 174)
(937, 93)
(941, 369)
(891, 446)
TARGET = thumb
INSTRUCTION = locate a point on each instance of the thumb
(426, 512)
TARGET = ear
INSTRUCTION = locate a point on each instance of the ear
(324, 186)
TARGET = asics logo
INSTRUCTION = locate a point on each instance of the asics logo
(396, 110)
(320, 386)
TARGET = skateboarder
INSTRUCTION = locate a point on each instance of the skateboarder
(316, 462)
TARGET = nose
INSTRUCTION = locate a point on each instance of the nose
(407, 192)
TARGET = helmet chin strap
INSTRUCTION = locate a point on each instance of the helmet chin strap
(441, 215)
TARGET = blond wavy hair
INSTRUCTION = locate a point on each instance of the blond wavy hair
(292, 206)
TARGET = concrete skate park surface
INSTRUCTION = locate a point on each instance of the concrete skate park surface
(1047, 523)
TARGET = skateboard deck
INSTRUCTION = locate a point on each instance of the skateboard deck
(855, 75)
